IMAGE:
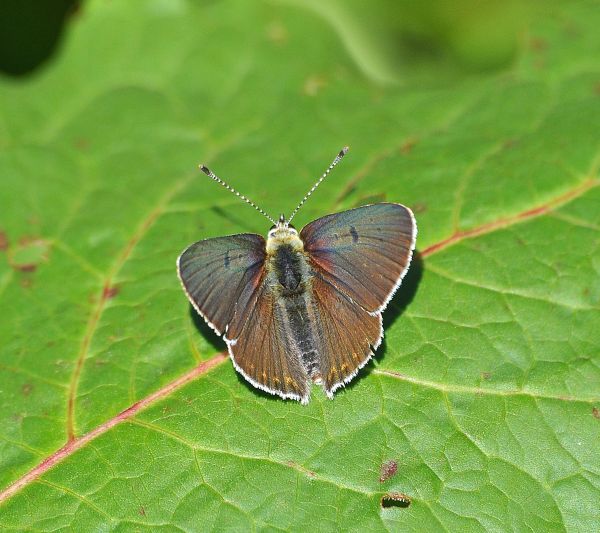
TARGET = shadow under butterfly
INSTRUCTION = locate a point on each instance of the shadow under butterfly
(302, 307)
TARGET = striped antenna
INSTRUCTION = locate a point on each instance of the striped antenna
(211, 174)
(337, 159)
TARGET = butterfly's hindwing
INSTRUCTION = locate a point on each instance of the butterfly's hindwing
(347, 337)
(266, 354)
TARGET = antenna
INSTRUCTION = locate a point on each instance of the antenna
(337, 159)
(211, 174)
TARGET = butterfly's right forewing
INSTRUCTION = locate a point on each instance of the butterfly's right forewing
(221, 276)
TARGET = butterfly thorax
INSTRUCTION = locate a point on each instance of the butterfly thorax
(286, 262)
(283, 235)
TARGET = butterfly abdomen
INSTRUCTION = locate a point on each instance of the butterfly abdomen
(291, 277)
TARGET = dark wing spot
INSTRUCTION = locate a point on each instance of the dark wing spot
(227, 260)
(354, 234)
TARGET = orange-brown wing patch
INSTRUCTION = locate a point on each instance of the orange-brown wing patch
(347, 334)
(265, 356)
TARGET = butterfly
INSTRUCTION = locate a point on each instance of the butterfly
(301, 306)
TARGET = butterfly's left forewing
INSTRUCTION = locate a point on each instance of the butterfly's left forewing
(363, 252)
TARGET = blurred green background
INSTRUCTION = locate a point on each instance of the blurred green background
(384, 37)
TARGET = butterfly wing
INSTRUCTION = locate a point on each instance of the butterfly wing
(265, 355)
(348, 335)
(224, 279)
(363, 252)
(221, 277)
(358, 259)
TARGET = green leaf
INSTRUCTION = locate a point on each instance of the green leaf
(118, 410)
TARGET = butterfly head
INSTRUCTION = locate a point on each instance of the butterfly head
(283, 233)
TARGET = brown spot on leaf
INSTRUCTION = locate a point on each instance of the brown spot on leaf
(538, 44)
(295, 465)
(597, 88)
(596, 412)
(142, 511)
(110, 291)
(81, 143)
(3, 241)
(27, 267)
(26, 389)
(388, 470)
(486, 375)
(395, 499)
(407, 146)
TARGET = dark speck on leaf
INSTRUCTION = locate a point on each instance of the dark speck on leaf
(26, 389)
(596, 412)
